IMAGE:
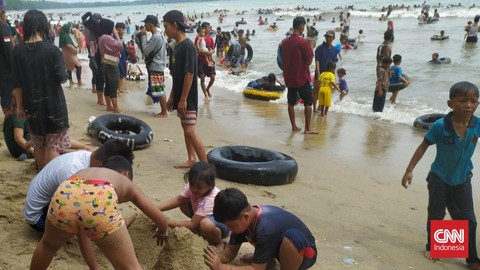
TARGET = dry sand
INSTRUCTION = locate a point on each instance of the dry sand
(347, 190)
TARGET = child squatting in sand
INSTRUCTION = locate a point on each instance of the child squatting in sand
(86, 202)
(196, 202)
(275, 233)
(449, 180)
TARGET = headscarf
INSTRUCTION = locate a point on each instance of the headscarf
(65, 38)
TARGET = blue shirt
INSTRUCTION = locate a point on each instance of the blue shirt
(272, 222)
(323, 54)
(396, 74)
(453, 161)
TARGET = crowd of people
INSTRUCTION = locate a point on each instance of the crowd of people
(63, 200)
(37, 106)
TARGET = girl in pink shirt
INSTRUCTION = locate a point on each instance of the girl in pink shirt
(196, 202)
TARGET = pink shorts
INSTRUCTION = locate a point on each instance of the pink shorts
(188, 119)
(52, 141)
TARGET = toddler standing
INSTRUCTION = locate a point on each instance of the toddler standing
(327, 83)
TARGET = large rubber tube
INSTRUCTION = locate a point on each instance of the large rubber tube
(399, 85)
(120, 127)
(250, 53)
(427, 120)
(279, 57)
(260, 94)
(252, 165)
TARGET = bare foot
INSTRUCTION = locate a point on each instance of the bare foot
(311, 131)
(160, 115)
(119, 111)
(185, 165)
(80, 84)
(94, 91)
(247, 258)
(109, 109)
(101, 103)
(129, 220)
(296, 129)
(428, 256)
(209, 94)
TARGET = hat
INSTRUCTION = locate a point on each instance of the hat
(330, 33)
(342, 70)
(151, 19)
(96, 17)
(175, 16)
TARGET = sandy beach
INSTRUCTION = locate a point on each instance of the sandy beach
(347, 189)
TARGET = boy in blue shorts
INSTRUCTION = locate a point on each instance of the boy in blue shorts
(449, 180)
(275, 233)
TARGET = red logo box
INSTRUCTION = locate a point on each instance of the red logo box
(449, 238)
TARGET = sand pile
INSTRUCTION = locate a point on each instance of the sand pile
(184, 251)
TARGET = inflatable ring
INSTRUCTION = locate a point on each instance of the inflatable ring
(279, 57)
(438, 37)
(445, 60)
(119, 127)
(252, 165)
(427, 120)
(399, 85)
(261, 94)
(241, 22)
(234, 51)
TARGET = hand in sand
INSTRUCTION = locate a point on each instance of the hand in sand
(407, 179)
(211, 258)
(161, 237)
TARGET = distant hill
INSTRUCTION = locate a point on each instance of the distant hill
(42, 4)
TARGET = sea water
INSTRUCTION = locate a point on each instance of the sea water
(428, 91)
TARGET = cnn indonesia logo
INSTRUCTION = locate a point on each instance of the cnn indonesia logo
(449, 238)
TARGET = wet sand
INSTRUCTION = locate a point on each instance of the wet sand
(347, 189)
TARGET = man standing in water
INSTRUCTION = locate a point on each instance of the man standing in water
(184, 94)
(297, 54)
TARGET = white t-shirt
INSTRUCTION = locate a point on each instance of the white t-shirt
(46, 182)
(200, 206)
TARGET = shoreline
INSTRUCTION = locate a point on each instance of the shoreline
(347, 190)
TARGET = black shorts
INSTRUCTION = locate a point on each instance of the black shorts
(304, 93)
(205, 70)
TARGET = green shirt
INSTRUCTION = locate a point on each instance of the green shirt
(9, 124)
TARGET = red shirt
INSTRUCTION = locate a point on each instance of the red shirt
(210, 45)
(297, 54)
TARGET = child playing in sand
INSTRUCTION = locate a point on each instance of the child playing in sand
(275, 233)
(397, 76)
(196, 202)
(449, 180)
(327, 84)
(202, 45)
(342, 83)
(85, 204)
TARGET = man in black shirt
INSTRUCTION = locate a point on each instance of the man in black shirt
(184, 94)
(6, 53)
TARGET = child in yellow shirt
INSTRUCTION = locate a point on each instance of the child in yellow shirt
(327, 84)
